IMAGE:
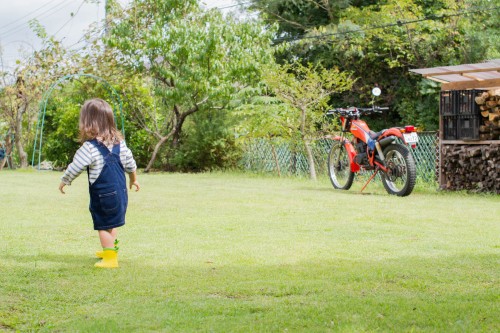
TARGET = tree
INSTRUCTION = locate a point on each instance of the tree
(482, 40)
(296, 17)
(208, 143)
(262, 115)
(306, 91)
(197, 60)
(379, 41)
(23, 88)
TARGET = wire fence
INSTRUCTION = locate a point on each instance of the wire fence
(285, 158)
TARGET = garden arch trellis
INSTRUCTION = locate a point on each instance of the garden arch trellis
(37, 147)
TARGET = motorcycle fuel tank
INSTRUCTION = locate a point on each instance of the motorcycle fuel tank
(360, 130)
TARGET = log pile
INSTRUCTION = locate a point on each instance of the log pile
(489, 104)
(473, 168)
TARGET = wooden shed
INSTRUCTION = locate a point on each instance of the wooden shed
(469, 125)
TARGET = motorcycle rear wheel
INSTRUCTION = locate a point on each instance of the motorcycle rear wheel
(401, 175)
(339, 168)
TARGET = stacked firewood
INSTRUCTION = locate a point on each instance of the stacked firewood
(489, 104)
(472, 167)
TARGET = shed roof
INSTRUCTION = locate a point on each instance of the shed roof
(470, 76)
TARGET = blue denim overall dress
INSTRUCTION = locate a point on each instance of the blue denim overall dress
(108, 194)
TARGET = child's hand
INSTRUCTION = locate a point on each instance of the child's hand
(61, 188)
(133, 181)
(136, 184)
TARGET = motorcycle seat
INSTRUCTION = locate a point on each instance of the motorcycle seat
(375, 135)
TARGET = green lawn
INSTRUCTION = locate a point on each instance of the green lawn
(243, 253)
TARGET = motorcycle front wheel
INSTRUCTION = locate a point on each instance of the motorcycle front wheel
(339, 168)
(401, 171)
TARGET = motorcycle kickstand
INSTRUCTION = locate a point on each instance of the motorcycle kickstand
(369, 180)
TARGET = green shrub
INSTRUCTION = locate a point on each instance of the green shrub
(207, 143)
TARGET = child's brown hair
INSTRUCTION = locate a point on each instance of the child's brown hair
(97, 121)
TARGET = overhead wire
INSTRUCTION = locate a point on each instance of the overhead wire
(278, 40)
(71, 18)
(340, 33)
(231, 6)
(102, 28)
(22, 17)
(399, 23)
(52, 10)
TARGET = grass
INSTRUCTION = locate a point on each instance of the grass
(244, 253)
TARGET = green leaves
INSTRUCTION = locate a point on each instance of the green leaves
(197, 60)
(203, 53)
(379, 41)
(296, 103)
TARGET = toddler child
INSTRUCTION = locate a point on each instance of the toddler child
(106, 158)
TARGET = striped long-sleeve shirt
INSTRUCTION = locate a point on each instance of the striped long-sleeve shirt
(89, 156)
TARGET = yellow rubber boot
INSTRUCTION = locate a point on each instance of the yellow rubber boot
(100, 254)
(109, 259)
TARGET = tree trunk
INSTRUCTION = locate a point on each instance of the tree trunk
(23, 104)
(175, 133)
(155, 151)
(307, 143)
(276, 161)
(310, 159)
(23, 156)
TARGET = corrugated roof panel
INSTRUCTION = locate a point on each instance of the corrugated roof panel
(485, 74)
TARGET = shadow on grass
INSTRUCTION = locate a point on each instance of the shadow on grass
(352, 191)
(49, 260)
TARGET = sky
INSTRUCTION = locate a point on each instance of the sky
(66, 19)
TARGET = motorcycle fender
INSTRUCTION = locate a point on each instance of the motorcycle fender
(351, 152)
(392, 132)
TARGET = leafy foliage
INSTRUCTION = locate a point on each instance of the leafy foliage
(207, 143)
(198, 60)
(295, 17)
(62, 117)
(380, 41)
(305, 91)
(481, 32)
(186, 75)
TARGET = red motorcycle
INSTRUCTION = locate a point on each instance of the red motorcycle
(368, 150)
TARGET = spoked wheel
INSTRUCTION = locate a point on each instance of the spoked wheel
(401, 175)
(339, 168)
